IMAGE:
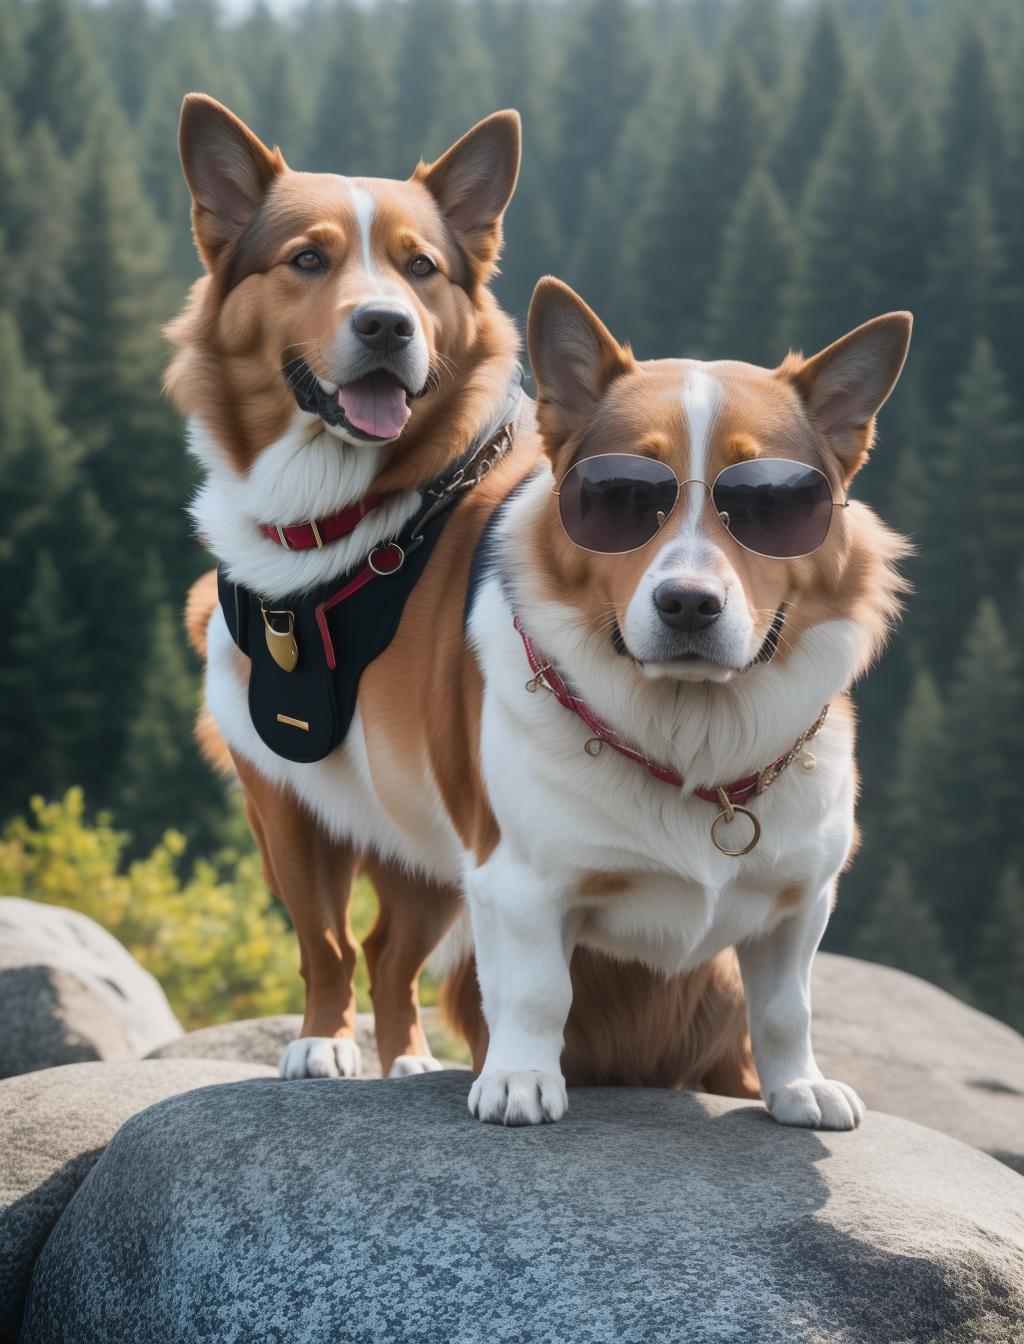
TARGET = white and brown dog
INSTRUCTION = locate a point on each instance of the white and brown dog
(341, 355)
(689, 594)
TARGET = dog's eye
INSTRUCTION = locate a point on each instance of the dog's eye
(308, 260)
(421, 265)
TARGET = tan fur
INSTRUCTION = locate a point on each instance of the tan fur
(603, 884)
(200, 605)
(629, 1026)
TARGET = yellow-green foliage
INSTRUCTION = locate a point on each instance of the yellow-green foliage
(217, 941)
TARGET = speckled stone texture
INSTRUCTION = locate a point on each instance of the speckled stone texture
(917, 1052)
(54, 1124)
(324, 1213)
(70, 992)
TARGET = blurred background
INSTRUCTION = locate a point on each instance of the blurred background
(717, 179)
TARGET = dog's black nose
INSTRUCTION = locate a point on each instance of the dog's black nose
(683, 607)
(383, 329)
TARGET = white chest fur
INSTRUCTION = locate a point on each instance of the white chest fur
(632, 856)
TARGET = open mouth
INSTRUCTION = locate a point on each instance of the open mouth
(376, 406)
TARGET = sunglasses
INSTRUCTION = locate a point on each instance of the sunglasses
(616, 502)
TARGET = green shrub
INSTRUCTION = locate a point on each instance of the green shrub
(214, 937)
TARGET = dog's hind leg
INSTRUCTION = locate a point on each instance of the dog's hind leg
(312, 875)
(414, 916)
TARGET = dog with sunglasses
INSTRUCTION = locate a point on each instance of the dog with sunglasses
(665, 625)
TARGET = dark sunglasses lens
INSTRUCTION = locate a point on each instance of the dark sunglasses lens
(611, 503)
(774, 506)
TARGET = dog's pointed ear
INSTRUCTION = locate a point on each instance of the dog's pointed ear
(575, 358)
(473, 182)
(228, 170)
(845, 385)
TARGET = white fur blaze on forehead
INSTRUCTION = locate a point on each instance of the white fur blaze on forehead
(702, 399)
(364, 207)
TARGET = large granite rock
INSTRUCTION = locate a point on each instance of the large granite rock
(918, 1052)
(54, 1124)
(70, 992)
(261, 1040)
(380, 1213)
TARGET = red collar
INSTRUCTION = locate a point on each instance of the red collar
(319, 531)
(726, 796)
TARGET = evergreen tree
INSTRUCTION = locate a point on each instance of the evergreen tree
(189, 64)
(109, 377)
(757, 260)
(969, 289)
(894, 64)
(281, 105)
(837, 285)
(45, 695)
(823, 70)
(758, 30)
(980, 778)
(975, 494)
(130, 37)
(658, 272)
(974, 125)
(12, 52)
(351, 135)
(602, 78)
(442, 81)
(37, 460)
(523, 68)
(902, 932)
(691, 205)
(161, 773)
(62, 83)
(907, 204)
(996, 977)
(40, 241)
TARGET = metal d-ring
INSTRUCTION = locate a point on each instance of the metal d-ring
(728, 814)
(389, 546)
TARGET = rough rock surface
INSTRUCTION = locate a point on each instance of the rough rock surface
(54, 1124)
(380, 1212)
(261, 1040)
(918, 1052)
(70, 992)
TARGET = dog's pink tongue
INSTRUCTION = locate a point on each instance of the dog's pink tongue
(375, 404)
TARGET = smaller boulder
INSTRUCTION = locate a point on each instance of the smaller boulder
(915, 1051)
(261, 1040)
(69, 992)
(54, 1125)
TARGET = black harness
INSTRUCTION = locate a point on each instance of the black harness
(308, 652)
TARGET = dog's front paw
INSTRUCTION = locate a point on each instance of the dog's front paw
(321, 1057)
(406, 1065)
(816, 1104)
(525, 1098)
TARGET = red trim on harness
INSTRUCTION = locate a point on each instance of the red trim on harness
(737, 792)
(379, 569)
(303, 536)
